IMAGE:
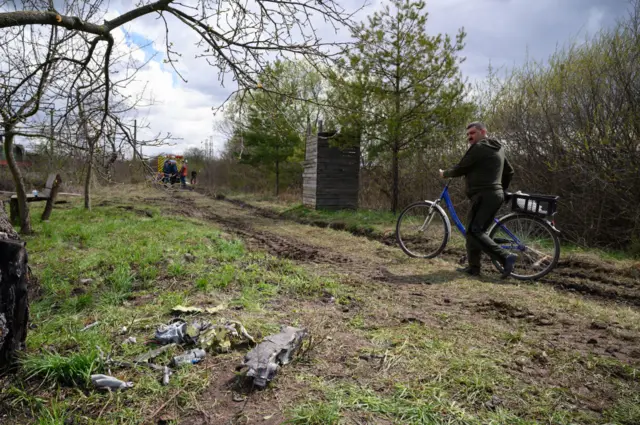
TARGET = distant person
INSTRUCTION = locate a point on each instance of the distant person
(193, 177)
(488, 174)
(166, 171)
(170, 171)
(183, 174)
(174, 171)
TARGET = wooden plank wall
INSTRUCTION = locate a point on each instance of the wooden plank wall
(309, 175)
(331, 175)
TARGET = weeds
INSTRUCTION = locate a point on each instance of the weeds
(127, 271)
(315, 414)
(75, 369)
(364, 364)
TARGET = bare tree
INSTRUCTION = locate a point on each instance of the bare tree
(86, 117)
(33, 59)
(237, 37)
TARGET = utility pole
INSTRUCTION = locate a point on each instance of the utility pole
(51, 130)
(135, 138)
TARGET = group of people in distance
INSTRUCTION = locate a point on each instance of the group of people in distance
(171, 174)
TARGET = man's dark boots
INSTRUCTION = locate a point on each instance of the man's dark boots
(471, 271)
(508, 265)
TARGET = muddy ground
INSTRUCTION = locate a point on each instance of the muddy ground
(584, 308)
(600, 279)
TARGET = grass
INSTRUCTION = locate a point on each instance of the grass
(75, 369)
(430, 376)
(465, 366)
(404, 405)
(604, 254)
(361, 221)
(126, 268)
(383, 223)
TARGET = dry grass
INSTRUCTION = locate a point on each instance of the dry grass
(395, 340)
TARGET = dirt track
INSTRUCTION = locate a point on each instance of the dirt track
(600, 280)
(394, 289)
(267, 231)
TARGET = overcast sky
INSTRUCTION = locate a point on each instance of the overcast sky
(498, 31)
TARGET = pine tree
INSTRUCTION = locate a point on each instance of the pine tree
(416, 93)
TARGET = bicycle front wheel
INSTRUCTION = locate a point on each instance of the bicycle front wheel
(533, 240)
(423, 230)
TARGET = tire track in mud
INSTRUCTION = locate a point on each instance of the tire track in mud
(594, 280)
(556, 331)
(280, 246)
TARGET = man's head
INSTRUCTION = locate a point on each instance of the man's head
(476, 131)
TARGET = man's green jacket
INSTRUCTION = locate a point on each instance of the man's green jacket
(484, 166)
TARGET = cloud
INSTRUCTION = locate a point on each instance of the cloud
(594, 23)
(502, 32)
(182, 108)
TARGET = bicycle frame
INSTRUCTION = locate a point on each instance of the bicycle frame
(444, 196)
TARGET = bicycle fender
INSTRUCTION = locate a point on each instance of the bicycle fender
(555, 229)
(445, 215)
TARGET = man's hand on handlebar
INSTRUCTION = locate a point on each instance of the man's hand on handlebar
(441, 173)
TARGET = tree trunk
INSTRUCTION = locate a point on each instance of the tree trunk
(14, 303)
(395, 193)
(277, 178)
(87, 181)
(91, 142)
(396, 128)
(23, 206)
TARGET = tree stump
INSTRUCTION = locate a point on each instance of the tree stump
(14, 280)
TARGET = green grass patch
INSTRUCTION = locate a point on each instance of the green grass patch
(400, 405)
(128, 270)
(361, 221)
(626, 411)
(605, 254)
(74, 369)
(315, 414)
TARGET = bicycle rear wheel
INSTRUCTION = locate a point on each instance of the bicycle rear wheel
(423, 230)
(538, 249)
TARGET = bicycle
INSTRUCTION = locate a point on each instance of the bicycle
(527, 211)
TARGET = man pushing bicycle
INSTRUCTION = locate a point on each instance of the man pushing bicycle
(487, 175)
